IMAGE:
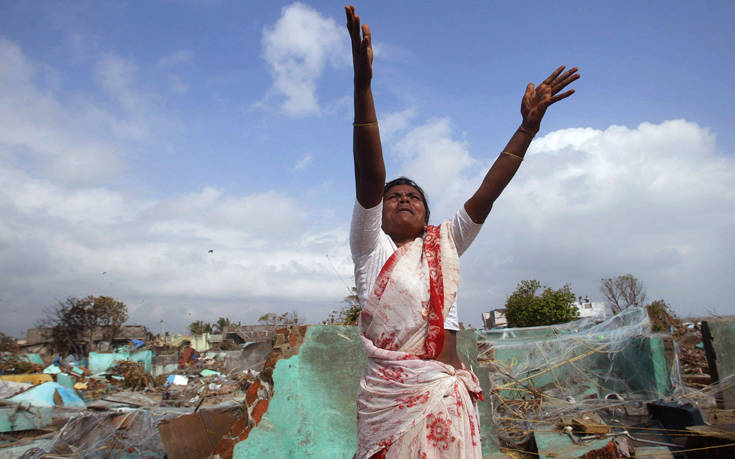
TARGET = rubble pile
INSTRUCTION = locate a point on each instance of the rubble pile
(590, 388)
(18, 364)
(692, 358)
(584, 389)
(121, 404)
(133, 375)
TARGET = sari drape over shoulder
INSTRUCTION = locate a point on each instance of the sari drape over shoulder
(409, 404)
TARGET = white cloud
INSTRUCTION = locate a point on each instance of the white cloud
(56, 241)
(303, 163)
(434, 159)
(64, 230)
(395, 122)
(655, 201)
(116, 75)
(297, 48)
(36, 124)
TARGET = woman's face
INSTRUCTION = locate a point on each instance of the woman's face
(404, 214)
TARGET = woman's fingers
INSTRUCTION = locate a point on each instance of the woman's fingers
(366, 35)
(559, 97)
(553, 75)
(353, 26)
(564, 80)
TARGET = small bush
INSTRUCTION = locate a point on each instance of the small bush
(526, 309)
(662, 316)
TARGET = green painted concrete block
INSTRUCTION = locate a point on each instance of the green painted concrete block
(34, 358)
(723, 338)
(16, 420)
(99, 362)
(65, 380)
(313, 414)
(467, 349)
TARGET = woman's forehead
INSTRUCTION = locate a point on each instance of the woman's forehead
(403, 188)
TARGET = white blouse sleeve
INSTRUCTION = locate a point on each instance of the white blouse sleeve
(365, 229)
(464, 230)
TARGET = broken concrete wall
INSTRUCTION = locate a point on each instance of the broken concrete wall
(719, 337)
(201, 343)
(19, 418)
(164, 364)
(100, 362)
(313, 412)
(252, 356)
(36, 336)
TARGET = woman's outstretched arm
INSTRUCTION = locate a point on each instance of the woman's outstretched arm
(366, 149)
(533, 106)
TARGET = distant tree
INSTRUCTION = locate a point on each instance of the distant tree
(74, 320)
(287, 318)
(221, 324)
(526, 309)
(8, 344)
(349, 314)
(199, 327)
(623, 292)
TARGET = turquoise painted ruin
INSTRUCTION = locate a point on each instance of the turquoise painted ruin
(312, 412)
(100, 362)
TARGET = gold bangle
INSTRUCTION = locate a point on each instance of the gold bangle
(527, 131)
(371, 123)
(513, 155)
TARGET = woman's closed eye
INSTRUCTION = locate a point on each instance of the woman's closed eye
(412, 196)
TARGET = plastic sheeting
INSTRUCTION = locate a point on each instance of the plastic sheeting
(129, 434)
(542, 373)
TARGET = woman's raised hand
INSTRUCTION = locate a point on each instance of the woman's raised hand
(537, 99)
(362, 49)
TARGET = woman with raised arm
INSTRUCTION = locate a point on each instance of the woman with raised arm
(416, 398)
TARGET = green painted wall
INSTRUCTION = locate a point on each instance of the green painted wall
(467, 349)
(312, 413)
(723, 342)
(100, 362)
(14, 420)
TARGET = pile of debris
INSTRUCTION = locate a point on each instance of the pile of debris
(610, 389)
(583, 389)
(112, 404)
(694, 368)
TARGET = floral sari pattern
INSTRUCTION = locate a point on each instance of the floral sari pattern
(409, 404)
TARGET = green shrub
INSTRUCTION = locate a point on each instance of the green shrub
(526, 309)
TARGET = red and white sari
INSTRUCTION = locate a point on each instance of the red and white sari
(409, 404)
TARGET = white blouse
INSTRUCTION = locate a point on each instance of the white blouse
(371, 248)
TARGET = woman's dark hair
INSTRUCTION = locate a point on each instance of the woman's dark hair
(409, 182)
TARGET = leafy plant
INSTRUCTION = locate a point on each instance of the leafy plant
(200, 327)
(524, 308)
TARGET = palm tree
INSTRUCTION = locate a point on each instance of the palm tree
(199, 327)
(221, 324)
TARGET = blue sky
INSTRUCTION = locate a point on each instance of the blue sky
(135, 137)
